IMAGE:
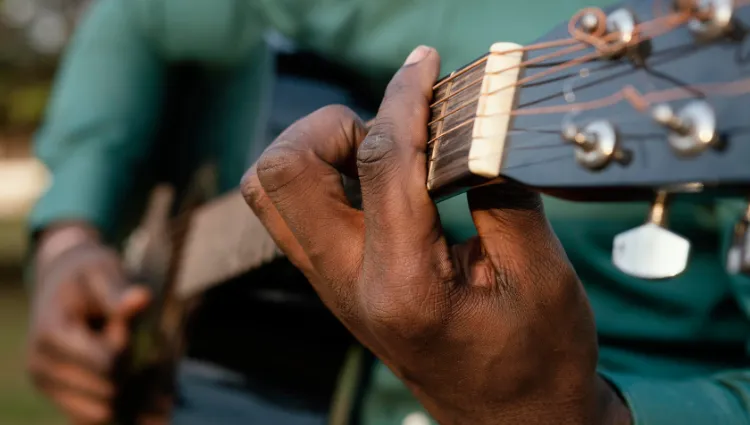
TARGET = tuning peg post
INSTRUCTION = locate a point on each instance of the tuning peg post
(651, 251)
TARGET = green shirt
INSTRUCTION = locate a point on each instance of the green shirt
(101, 125)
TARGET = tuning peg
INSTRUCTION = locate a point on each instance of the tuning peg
(596, 144)
(709, 18)
(738, 256)
(692, 130)
(651, 251)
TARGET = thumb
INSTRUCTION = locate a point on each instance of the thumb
(133, 300)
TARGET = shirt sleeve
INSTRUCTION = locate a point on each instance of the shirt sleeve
(107, 97)
(100, 119)
(722, 399)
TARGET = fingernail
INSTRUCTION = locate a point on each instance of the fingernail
(417, 55)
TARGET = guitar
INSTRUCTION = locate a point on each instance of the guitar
(644, 100)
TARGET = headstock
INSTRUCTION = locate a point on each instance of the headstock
(641, 99)
(662, 105)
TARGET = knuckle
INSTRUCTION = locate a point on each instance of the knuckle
(401, 318)
(397, 87)
(251, 189)
(334, 112)
(377, 152)
(280, 166)
(47, 338)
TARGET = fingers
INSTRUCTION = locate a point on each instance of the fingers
(73, 369)
(511, 225)
(60, 376)
(82, 410)
(74, 344)
(301, 175)
(266, 212)
(103, 284)
(133, 301)
(392, 164)
(80, 327)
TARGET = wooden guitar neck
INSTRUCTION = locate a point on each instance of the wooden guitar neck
(469, 122)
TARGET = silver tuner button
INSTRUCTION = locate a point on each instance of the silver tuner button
(692, 130)
(618, 34)
(596, 144)
(651, 251)
(624, 23)
(738, 256)
(712, 18)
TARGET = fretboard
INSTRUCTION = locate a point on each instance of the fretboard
(470, 120)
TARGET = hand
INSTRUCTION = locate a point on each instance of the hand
(497, 330)
(81, 313)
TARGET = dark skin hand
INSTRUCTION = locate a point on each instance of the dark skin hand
(497, 330)
(82, 308)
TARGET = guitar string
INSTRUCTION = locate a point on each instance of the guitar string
(674, 21)
(483, 59)
(543, 133)
(183, 220)
(464, 147)
(537, 46)
(474, 83)
(542, 58)
(598, 32)
(596, 38)
(628, 93)
(468, 121)
(641, 101)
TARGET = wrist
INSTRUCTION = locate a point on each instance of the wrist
(58, 239)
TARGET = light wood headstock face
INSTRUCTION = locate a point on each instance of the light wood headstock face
(643, 96)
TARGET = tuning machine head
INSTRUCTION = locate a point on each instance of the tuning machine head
(596, 145)
(692, 130)
(623, 25)
(651, 251)
(711, 18)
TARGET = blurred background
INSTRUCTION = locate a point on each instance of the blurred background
(32, 35)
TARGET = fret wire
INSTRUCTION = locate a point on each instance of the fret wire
(455, 128)
(456, 74)
(439, 129)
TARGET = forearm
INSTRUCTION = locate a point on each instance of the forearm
(60, 237)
